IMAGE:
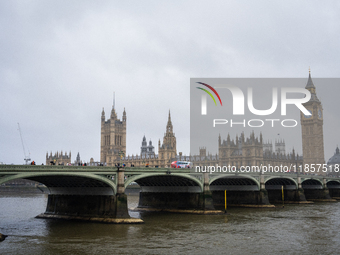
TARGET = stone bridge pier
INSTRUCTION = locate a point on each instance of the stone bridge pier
(293, 192)
(334, 189)
(317, 190)
(242, 191)
(175, 193)
(79, 198)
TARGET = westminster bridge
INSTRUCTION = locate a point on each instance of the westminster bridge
(97, 193)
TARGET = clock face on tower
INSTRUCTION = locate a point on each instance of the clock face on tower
(308, 116)
(320, 114)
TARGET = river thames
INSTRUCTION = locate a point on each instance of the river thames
(294, 229)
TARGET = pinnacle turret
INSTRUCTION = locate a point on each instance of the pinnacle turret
(103, 115)
(124, 115)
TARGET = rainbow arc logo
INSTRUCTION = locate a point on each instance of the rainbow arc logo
(209, 93)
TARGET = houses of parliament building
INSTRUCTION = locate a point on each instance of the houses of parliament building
(241, 151)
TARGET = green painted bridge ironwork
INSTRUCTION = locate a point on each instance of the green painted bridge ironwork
(108, 176)
(98, 192)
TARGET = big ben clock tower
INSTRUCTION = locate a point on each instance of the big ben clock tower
(312, 129)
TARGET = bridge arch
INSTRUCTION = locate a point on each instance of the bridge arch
(276, 182)
(75, 183)
(234, 182)
(311, 183)
(163, 182)
(333, 184)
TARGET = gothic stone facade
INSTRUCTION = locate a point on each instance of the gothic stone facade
(251, 151)
(113, 138)
(113, 145)
(58, 158)
(166, 152)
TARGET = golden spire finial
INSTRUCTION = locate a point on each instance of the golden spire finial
(309, 69)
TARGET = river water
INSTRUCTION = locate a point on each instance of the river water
(294, 229)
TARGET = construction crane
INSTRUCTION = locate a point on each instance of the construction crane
(27, 159)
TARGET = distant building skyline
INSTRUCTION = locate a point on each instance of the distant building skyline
(241, 151)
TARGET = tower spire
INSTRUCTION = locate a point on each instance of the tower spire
(309, 82)
(169, 124)
(310, 86)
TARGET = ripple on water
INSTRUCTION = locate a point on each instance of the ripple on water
(295, 229)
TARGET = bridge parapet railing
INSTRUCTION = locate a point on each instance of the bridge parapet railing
(97, 169)
(140, 170)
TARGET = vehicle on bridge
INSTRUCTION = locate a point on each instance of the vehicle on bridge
(181, 164)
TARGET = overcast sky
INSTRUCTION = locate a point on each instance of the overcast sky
(61, 61)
